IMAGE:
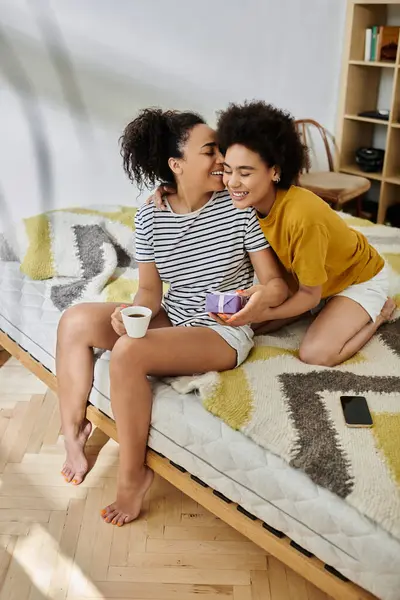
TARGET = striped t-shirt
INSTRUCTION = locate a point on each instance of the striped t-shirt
(199, 252)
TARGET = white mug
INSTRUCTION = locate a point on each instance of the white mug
(136, 327)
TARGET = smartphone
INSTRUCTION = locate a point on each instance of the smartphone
(356, 412)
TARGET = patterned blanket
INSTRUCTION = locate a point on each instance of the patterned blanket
(84, 254)
(293, 409)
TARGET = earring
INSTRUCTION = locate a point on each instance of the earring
(277, 179)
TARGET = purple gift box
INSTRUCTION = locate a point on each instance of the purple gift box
(217, 302)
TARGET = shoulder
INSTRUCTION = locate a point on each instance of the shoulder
(146, 210)
(144, 218)
(305, 207)
(303, 195)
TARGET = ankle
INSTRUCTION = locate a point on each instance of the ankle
(72, 431)
(132, 477)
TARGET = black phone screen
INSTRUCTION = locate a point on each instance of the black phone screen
(355, 410)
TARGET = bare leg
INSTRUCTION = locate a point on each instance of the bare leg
(175, 351)
(340, 330)
(271, 326)
(81, 328)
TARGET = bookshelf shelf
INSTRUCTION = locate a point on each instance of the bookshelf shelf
(367, 120)
(369, 86)
(373, 63)
(355, 170)
(394, 180)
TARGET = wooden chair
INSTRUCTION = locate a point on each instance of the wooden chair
(333, 187)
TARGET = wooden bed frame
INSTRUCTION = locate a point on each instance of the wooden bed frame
(272, 541)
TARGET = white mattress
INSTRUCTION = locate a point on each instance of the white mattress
(259, 481)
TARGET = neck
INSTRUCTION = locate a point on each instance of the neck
(264, 207)
(187, 200)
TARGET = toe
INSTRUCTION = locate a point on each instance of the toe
(110, 518)
(121, 519)
(79, 477)
(110, 513)
(128, 519)
(108, 510)
(68, 475)
(119, 516)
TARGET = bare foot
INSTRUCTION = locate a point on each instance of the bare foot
(387, 311)
(129, 500)
(76, 464)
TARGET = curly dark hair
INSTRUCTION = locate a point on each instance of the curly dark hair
(151, 139)
(270, 132)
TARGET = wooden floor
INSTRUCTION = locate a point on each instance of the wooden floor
(54, 545)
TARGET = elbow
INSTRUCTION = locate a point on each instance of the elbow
(278, 292)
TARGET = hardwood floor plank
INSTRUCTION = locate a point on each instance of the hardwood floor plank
(222, 533)
(199, 561)
(297, 586)
(178, 547)
(114, 590)
(30, 420)
(62, 572)
(104, 536)
(242, 592)
(260, 586)
(277, 579)
(181, 575)
(39, 431)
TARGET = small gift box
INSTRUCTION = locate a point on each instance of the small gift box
(229, 304)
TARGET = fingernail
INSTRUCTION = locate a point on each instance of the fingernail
(239, 291)
(124, 306)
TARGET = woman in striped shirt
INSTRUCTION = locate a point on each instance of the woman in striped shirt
(200, 244)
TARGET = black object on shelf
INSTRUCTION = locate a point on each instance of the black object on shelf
(370, 160)
(393, 215)
(382, 114)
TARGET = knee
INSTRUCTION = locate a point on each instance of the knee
(72, 322)
(129, 356)
(315, 354)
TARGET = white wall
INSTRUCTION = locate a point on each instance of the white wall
(127, 54)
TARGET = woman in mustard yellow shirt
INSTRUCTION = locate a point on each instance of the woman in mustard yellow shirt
(328, 259)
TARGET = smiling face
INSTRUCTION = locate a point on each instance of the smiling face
(201, 167)
(247, 177)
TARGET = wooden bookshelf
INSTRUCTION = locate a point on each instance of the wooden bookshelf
(360, 91)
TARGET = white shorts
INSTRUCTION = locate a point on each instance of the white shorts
(371, 294)
(239, 338)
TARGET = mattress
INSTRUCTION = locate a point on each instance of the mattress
(261, 482)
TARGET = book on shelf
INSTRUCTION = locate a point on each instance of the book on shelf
(381, 43)
(368, 40)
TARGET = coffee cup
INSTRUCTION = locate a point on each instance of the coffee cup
(136, 320)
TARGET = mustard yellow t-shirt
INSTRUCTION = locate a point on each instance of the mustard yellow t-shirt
(315, 244)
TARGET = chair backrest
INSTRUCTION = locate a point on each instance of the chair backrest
(302, 126)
